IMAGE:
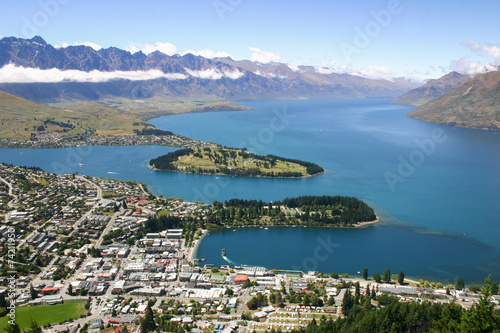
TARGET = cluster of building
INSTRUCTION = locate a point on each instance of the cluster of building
(57, 140)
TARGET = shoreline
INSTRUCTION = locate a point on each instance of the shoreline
(193, 250)
(368, 223)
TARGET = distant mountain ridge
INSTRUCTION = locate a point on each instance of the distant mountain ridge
(431, 90)
(196, 77)
(473, 104)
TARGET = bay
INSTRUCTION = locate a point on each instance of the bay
(440, 214)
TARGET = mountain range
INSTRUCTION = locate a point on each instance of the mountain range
(41, 72)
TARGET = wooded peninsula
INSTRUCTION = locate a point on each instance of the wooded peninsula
(233, 162)
(304, 211)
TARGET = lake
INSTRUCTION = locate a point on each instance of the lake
(435, 187)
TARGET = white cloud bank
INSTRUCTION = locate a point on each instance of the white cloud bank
(95, 46)
(294, 68)
(270, 75)
(466, 66)
(264, 56)
(14, 74)
(214, 74)
(371, 72)
(209, 54)
(325, 70)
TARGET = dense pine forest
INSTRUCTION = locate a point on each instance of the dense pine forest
(306, 211)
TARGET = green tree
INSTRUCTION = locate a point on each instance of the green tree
(347, 301)
(229, 292)
(401, 277)
(481, 317)
(449, 321)
(365, 273)
(475, 288)
(33, 293)
(251, 304)
(148, 322)
(279, 301)
(460, 284)
(494, 287)
(387, 275)
(34, 327)
(377, 278)
(3, 302)
(215, 269)
(357, 294)
(12, 328)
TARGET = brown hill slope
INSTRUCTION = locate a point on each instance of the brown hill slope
(474, 104)
(431, 90)
(20, 118)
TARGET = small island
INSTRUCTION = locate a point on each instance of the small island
(233, 162)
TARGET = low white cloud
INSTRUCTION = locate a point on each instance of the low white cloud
(490, 62)
(167, 48)
(95, 46)
(466, 66)
(325, 70)
(376, 72)
(214, 74)
(372, 72)
(14, 74)
(270, 75)
(294, 68)
(491, 50)
(207, 53)
(264, 56)
(234, 75)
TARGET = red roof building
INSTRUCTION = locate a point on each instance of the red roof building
(241, 278)
(49, 290)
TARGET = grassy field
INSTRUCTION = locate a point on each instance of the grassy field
(208, 160)
(46, 314)
(19, 118)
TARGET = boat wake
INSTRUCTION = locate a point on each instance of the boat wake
(229, 260)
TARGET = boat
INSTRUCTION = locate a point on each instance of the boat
(223, 253)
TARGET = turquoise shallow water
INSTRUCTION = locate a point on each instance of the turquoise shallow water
(435, 187)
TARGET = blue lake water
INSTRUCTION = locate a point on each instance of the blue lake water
(437, 188)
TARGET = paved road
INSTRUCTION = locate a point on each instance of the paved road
(90, 211)
(11, 193)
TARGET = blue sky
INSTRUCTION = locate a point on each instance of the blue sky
(418, 38)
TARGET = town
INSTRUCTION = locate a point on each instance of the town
(80, 245)
(57, 140)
